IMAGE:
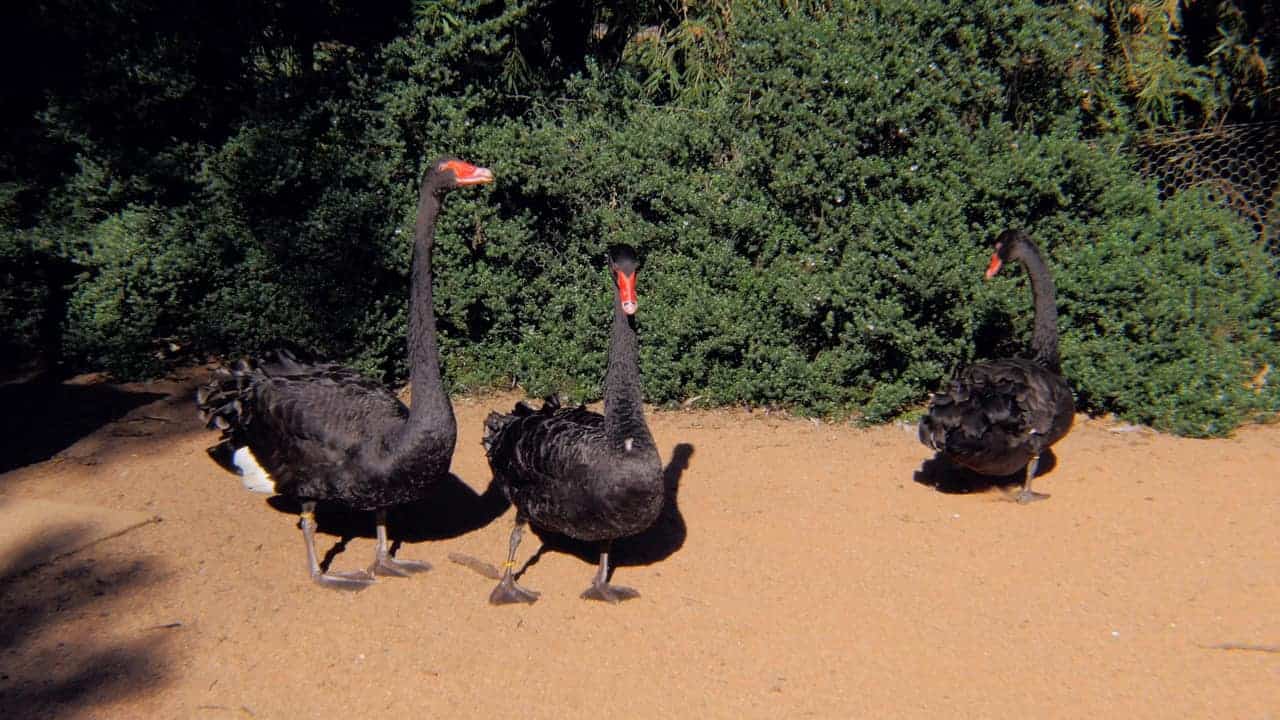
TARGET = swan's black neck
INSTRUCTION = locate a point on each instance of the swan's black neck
(430, 405)
(1044, 336)
(623, 403)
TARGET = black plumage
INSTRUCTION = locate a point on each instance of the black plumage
(999, 416)
(322, 432)
(589, 476)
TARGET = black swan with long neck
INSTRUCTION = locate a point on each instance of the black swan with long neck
(322, 432)
(999, 416)
(578, 473)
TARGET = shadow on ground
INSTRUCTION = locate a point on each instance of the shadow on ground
(662, 540)
(56, 663)
(40, 418)
(946, 477)
(451, 509)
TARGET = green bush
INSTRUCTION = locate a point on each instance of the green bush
(1171, 319)
(25, 300)
(814, 194)
(815, 233)
(144, 271)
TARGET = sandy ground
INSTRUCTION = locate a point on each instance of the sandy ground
(800, 570)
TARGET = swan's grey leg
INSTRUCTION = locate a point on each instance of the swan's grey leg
(384, 564)
(337, 580)
(508, 591)
(1025, 495)
(601, 589)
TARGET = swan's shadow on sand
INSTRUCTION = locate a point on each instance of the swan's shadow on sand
(946, 477)
(662, 540)
(449, 510)
(43, 596)
(44, 417)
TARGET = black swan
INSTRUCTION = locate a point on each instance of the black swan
(578, 473)
(323, 432)
(999, 416)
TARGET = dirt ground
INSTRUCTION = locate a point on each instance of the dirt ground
(800, 570)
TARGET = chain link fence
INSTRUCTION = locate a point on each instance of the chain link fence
(1237, 164)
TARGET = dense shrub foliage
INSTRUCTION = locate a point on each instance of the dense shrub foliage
(814, 192)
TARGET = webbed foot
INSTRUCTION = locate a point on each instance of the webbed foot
(508, 592)
(612, 594)
(601, 589)
(350, 581)
(388, 565)
(1025, 496)
(384, 563)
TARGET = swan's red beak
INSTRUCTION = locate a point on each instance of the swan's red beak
(994, 267)
(467, 174)
(627, 292)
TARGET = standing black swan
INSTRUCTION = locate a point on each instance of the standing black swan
(1000, 415)
(578, 473)
(323, 432)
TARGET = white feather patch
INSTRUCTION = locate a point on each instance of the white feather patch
(626, 444)
(252, 475)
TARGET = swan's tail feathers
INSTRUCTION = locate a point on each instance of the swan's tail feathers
(967, 421)
(223, 400)
(949, 421)
(285, 363)
(225, 404)
(929, 432)
(496, 423)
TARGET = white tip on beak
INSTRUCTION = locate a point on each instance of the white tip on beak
(477, 177)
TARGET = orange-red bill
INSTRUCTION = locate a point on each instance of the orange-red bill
(627, 292)
(994, 267)
(468, 174)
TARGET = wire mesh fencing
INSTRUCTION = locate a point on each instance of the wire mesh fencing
(1239, 165)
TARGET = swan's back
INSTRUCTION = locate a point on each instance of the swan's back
(998, 414)
(559, 469)
(315, 429)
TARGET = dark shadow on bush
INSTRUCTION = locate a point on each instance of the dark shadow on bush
(51, 671)
(40, 418)
(450, 509)
(946, 477)
(659, 542)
